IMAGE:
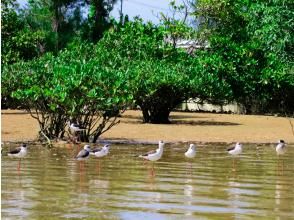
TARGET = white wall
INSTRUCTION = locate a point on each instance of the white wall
(192, 105)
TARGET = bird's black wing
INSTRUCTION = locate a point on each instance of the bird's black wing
(231, 148)
(86, 154)
(83, 154)
(96, 150)
(15, 151)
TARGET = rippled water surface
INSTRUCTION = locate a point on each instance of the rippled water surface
(52, 185)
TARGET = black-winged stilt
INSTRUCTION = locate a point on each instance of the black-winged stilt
(83, 154)
(154, 155)
(281, 147)
(75, 130)
(235, 151)
(19, 152)
(191, 152)
(100, 152)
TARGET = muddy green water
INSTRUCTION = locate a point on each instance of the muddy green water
(51, 185)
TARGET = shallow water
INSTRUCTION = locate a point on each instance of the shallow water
(52, 185)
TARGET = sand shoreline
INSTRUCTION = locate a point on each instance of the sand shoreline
(203, 128)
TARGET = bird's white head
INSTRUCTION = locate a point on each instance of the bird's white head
(238, 145)
(106, 146)
(87, 147)
(193, 146)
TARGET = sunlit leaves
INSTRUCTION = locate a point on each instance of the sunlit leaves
(71, 85)
(254, 40)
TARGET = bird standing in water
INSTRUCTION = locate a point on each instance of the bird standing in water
(100, 152)
(19, 152)
(83, 154)
(281, 147)
(191, 152)
(154, 155)
(235, 151)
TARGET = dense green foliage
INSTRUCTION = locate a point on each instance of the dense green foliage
(71, 86)
(255, 41)
(163, 77)
(249, 60)
(50, 25)
(17, 40)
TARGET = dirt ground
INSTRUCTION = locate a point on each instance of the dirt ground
(17, 126)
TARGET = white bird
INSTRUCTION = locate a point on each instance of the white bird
(19, 152)
(236, 150)
(281, 147)
(101, 152)
(154, 155)
(75, 129)
(191, 152)
(84, 153)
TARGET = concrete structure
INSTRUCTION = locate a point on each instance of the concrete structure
(195, 105)
(189, 45)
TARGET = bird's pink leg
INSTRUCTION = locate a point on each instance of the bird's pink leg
(18, 166)
(234, 164)
(152, 170)
(98, 167)
(81, 167)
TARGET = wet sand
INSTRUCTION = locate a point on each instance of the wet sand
(18, 126)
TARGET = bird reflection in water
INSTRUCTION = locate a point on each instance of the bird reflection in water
(188, 193)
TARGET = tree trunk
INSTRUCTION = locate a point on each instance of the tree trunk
(157, 107)
(99, 19)
(55, 24)
(146, 116)
(160, 116)
(84, 137)
(155, 116)
(96, 136)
